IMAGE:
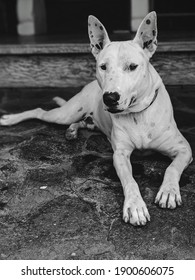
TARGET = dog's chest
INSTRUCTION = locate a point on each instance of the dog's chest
(141, 131)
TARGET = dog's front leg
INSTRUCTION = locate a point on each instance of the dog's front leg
(134, 209)
(179, 150)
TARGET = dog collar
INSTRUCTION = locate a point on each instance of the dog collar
(154, 98)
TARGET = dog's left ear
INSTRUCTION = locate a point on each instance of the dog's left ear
(146, 35)
(97, 34)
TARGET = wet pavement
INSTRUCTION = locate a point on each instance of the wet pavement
(62, 199)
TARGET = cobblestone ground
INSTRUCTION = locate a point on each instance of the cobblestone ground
(62, 199)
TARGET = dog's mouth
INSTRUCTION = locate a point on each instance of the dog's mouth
(114, 110)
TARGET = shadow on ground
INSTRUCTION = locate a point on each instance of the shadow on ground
(62, 199)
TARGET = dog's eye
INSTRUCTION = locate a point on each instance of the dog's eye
(132, 66)
(103, 66)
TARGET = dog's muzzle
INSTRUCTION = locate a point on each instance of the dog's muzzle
(111, 98)
(111, 101)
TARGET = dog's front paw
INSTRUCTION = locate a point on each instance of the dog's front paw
(169, 196)
(71, 133)
(7, 120)
(135, 211)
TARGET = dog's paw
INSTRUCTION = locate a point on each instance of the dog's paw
(71, 133)
(169, 196)
(135, 212)
(7, 120)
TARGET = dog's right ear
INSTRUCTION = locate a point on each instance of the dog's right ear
(97, 34)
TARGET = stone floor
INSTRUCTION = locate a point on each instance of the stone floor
(62, 199)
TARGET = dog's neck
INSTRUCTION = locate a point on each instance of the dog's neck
(149, 92)
(154, 98)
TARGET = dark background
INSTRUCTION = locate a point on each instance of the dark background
(70, 16)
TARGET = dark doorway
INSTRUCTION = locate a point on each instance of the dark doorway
(8, 19)
(175, 15)
(70, 16)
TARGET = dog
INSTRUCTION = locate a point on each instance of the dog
(128, 102)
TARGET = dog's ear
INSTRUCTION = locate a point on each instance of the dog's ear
(146, 35)
(97, 34)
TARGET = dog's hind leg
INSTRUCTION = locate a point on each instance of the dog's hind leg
(60, 115)
(38, 113)
(70, 112)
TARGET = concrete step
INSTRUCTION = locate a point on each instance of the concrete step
(40, 64)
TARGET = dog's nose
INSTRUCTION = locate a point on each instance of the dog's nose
(111, 98)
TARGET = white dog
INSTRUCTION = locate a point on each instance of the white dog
(129, 103)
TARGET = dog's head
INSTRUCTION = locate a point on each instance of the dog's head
(122, 67)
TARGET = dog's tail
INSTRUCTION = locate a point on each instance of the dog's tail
(59, 101)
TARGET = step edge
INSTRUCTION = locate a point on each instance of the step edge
(82, 48)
